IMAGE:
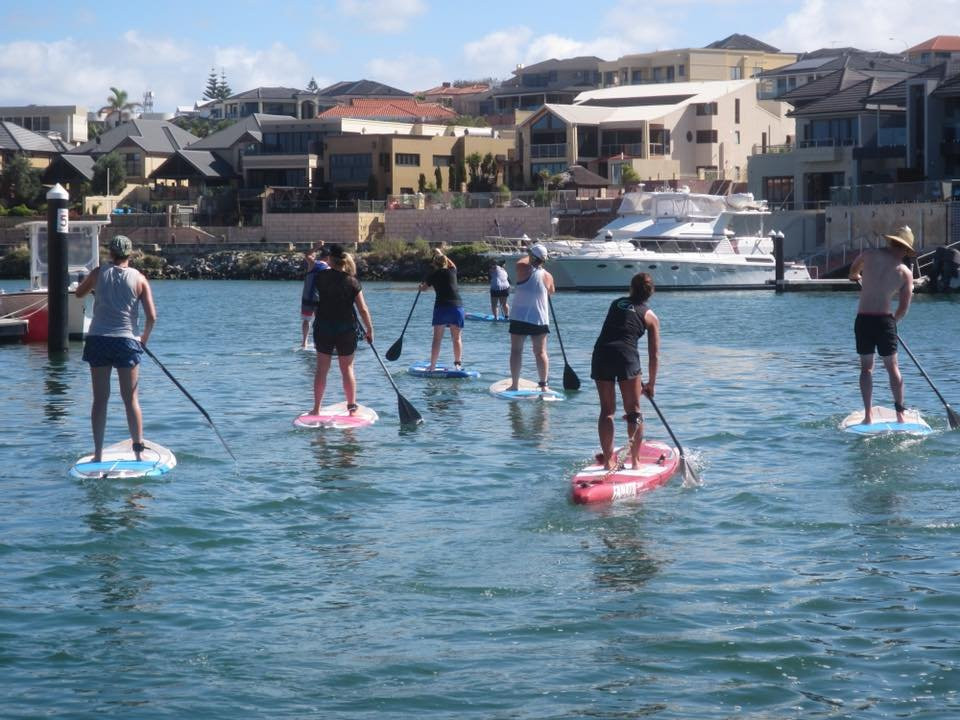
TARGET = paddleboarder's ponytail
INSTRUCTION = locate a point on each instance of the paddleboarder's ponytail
(641, 288)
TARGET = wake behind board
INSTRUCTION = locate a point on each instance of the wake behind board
(485, 317)
(885, 423)
(440, 371)
(120, 462)
(337, 416)
(658, 463)
(526, 390)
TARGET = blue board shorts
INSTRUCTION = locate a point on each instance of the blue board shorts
(106, 351)
(448, 315)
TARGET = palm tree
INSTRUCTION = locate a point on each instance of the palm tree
(118, 103)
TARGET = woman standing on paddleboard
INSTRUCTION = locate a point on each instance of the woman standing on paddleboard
(499, 290)
(336, 292)
(112, 340)
(617, 360)
(530, 314)
(447, 308)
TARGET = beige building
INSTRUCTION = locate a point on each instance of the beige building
(69, 121)
(737, 57)
(667, 131)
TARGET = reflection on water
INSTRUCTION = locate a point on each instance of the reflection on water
(529, 420)
(624, 564)
(57, 400)
(335, 448)
(443, 398)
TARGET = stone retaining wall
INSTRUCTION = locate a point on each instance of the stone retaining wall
(466, 225)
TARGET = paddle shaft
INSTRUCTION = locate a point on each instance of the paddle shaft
(190, 398)
(408, 413)
(574, 380)
(410, 314)
(666, 425)
(950, 412)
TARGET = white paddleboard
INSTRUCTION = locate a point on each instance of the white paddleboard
(884, 422)
(337, 416)
(120, 462)
(526, 390)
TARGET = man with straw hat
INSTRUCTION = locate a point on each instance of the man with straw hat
(882, 273)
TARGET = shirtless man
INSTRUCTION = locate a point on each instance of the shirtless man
(882, 274)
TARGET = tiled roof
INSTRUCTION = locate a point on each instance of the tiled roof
(741, 42)
(941, 43)
(829, 84)
(204, 162)
(13, 137)
(575, 63)
(581, 177)
(453, 90)
(68, 168)
(154, 136)
(359, 88)
(227, 137)
(366, 108)
(267, 93)
(827, 60)
(896, 94)
(850, 100)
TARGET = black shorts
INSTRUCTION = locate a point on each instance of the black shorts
(875, 333)
(519, 327)
(500, 293)
(612, 365)
(344, 343)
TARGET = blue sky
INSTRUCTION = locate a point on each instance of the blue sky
(70, 53)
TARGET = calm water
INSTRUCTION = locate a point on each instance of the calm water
(442, 572)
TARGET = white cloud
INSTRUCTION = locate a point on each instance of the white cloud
(408, 72)
(383, 16)
(278, 65)
(888, 25)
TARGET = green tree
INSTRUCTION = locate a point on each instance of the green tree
(452, 178)
(422, 182)
(438, 178)
(223, 88)
(118, 174)
(20, 182)
(372, 188)
(312, 86)
(488, 169)
(628, 176)
(473, 162)
(212, 90)
(119, 104)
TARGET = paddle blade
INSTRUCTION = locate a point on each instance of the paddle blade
(393, 352)
(570, 379)
(953, 418)
(689, 474)
(408, 413)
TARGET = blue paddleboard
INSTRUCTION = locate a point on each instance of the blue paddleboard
(440, 371)
(118, 461)
(884, 422)
(485, 317)
(526, 390)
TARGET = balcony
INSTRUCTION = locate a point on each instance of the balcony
(554, 150)
(630, 149)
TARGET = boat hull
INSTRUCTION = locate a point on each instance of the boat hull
(31, 305)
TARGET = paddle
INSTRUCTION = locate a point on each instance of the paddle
(690, 476)
(190, 398)
(570, 379)
(952, 417)
(408, 413)
(393, 352)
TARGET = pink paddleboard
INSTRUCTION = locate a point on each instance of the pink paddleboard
(658, 462)
(337, 416)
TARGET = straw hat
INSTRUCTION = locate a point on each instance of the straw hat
(903, 236)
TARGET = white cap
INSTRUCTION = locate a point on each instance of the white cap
(539, 250)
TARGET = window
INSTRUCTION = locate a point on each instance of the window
(736, 73)
(681, 70)
(707, 108)
(409, 159)
(736, 110)
(778, 191)
(355, 168)
(736, 137)
(131, 164)
(706, 136)
(637, 77)
(442, 160)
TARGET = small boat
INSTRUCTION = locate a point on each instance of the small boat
(684, 240)
(30, 304)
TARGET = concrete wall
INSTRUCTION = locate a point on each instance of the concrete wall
(467, 225)
(866, 224)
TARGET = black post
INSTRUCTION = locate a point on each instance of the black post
(58, 225)
(777, 238)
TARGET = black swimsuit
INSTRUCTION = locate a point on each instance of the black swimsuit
(615, 355)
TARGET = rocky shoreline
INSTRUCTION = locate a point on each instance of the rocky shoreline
(409, 265)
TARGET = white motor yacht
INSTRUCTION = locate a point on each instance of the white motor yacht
(683, 240)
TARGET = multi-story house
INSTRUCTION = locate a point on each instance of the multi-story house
(841, 137)
(265, 101)
(473, 99)
(38, 148)
(68, 121)
(936, 50)
(736, 57)
(663, 131)
(550, 81)
(399, 110)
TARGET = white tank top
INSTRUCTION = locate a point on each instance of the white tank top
(116, 304)
(530, 300)
(499, 279)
